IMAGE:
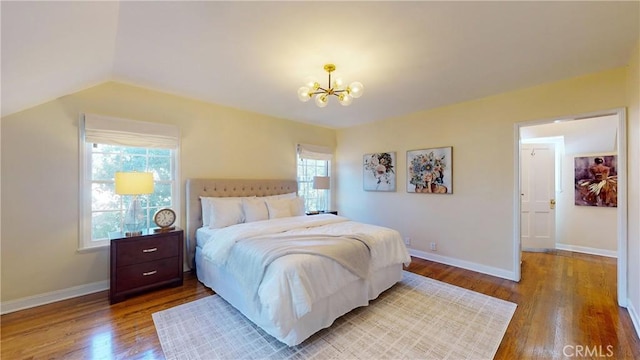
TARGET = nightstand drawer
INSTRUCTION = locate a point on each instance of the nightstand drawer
(148, 273)
(142, 250)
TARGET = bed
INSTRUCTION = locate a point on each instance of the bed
(302, 290)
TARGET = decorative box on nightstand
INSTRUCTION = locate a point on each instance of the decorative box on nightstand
(145, 262)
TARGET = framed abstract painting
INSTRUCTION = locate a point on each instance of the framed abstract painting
(429, 171)
(379, 172)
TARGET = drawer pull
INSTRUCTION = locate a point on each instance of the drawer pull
(149, 250)
(149, 273)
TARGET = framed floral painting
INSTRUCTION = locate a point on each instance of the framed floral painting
(379, 171)
(429, 171)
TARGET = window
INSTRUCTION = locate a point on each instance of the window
(109, 145)
(313, 161)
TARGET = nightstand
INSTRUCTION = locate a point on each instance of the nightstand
(145, 262)
(334, 212)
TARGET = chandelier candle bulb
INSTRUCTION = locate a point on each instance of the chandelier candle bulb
(355, 89)
(345, 95)
(322, 100)
(303, 94)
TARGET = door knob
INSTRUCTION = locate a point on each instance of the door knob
(552, 204)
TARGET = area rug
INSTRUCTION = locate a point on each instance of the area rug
(418, 318)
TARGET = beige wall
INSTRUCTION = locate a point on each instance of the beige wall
(474, 225)
(633, 116)
(586, 228)
(40, 173)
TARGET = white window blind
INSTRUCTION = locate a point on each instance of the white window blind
(315, 152)
(114, 131)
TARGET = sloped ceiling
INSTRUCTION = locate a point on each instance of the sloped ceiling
(585, 136)
(410, 56)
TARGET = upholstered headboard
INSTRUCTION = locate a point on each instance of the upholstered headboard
(225, 188)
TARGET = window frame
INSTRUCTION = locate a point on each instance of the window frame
(85, 241)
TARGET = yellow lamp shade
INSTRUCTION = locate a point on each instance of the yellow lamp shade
(134, 183)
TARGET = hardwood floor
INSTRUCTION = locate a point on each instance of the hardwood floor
(567, 306)
(566, 309)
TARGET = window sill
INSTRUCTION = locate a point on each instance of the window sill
(96, 248)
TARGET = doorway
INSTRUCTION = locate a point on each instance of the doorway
(621, 213)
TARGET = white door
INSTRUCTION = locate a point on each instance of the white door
(537, 190)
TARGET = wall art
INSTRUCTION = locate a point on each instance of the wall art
(429, 171)
(596, 181)
(379, 171)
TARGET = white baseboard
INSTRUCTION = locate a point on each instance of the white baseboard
(489, 270)
(635, 319)
(51, 297)
(587, 250)
(55, 296)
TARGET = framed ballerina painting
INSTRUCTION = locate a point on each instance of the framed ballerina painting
(596, 181)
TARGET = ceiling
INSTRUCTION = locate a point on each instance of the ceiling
(410, 56)
(594, 135)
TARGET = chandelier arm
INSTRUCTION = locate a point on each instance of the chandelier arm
(320, 91)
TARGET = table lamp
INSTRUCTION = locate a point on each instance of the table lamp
(135, 184)
(322, 183)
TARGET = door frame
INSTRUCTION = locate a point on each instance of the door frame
(622, 240)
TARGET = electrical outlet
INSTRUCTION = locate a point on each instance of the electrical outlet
(434, 247)
(407, 240)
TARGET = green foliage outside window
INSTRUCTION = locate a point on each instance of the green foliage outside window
(107, 208)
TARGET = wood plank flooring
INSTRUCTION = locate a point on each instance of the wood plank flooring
(566, 309)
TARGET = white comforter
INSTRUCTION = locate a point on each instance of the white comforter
(291, 284)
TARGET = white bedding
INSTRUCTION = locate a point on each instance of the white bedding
(293, 284)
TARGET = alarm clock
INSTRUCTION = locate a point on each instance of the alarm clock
(165, 218)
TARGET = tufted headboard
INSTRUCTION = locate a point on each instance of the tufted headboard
(223, 188)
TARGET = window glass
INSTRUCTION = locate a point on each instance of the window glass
(314, 199)
(108, 208)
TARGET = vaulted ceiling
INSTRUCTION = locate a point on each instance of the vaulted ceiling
(410, 56)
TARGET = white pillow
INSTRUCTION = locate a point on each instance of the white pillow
(206, 210)
(225, 212)
(205, 202)
(297, 206)
(279, 208)
(281, 196)
(255, 209)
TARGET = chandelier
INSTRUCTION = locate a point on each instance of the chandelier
(345, 95)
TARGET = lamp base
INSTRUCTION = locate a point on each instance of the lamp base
(133, 233)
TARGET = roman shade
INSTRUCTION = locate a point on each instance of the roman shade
(315, 152)
(124, 132)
